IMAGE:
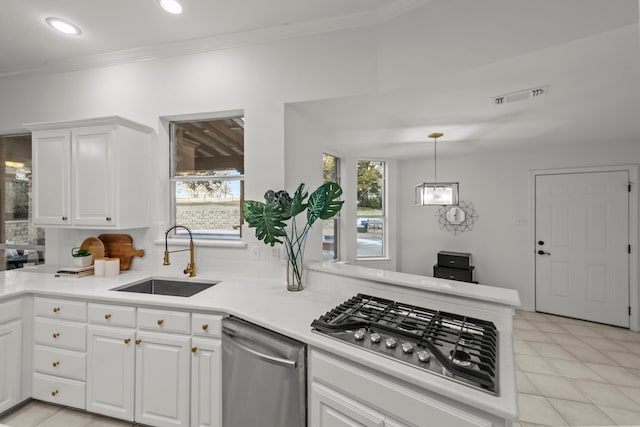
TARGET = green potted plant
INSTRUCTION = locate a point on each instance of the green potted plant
(269, 220)
(81, 257)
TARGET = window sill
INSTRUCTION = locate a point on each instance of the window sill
(203, 243)
(377, 259)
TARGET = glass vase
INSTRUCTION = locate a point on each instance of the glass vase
(295, 273)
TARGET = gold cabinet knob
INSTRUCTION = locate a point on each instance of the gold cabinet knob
(194, 349)
(54, 393)
(160, 322)
(56, 363)
(138, 342)
(56, 309)
(205, 327)
(127, 340)
(107, 316)
(56, 334)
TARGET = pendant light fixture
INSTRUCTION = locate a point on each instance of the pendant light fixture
(436, 193)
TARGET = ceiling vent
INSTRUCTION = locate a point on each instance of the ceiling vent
(520, 95)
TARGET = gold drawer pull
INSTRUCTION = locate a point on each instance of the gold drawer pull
(194, 349)
(205, 327)
(138, 342)
(160, 322)
(54, 393)
(56, 309)
(107, 316)
(56, 363)
(127, 340)
(56, 334)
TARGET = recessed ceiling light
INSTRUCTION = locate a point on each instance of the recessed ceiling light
(63, 26)
(171, 6)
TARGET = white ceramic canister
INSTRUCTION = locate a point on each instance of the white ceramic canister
(99, 266)
(112, 267)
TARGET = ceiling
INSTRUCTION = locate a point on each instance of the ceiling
(456, 56)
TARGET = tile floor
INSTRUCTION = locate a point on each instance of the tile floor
(569, 373)
(575, 373)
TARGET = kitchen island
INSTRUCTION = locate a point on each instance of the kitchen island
(266, 303)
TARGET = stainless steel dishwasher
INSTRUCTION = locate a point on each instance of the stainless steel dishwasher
(263, 377)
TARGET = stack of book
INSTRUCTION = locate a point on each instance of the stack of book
(75, 272)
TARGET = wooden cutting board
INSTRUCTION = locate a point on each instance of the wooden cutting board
(120, 246)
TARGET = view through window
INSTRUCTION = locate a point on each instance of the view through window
(207, 176)
(371, 209)
(330, 169)
(21, 244)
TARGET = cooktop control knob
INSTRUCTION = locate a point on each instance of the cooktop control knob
(390, 342)
(375, 337)
(407, 347)
(359, 334)
(423, 356)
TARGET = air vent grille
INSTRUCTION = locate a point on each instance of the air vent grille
(520, 95)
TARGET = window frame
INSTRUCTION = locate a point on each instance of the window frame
(383, 216)
(336, 218)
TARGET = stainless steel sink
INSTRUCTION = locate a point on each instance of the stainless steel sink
(173, 287)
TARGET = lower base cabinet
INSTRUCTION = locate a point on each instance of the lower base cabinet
(206, 382)
(10, 355)
(110, 371)
(162, 379)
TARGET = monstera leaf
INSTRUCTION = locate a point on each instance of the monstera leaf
(268, 220)
(324, 203)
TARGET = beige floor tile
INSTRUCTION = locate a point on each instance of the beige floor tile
(553, 351)
(522, 324)
(561, 320)
(531, 335)
(626, 359)
(603, 344)
(30, 415)
(580, 413)
(555, 386)
(525, 424)
(533, 316)
(631, 346)
(606, 395)
(536, 364)
(522, 347)
(613, 332)
(622, 417)
(537, 410)
(616, 374)
(574, 370)
(591, 355)
(567, 341)
(582, 331)
(549, 327)
(632, 392)
(67, 418)
(524, 384)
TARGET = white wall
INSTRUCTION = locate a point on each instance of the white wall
(498, 184)
(258, 79)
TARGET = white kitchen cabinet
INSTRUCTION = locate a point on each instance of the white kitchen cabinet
(59, 351)
(10, 353)
(162, 379)
(110, 371)
(206, 384)
(347, 394)
(90, 173)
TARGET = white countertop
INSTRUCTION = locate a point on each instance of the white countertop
(266, 302)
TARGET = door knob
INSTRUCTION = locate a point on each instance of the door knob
(543, 253)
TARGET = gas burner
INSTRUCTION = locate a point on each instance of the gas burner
(460, 348)
(460, 358)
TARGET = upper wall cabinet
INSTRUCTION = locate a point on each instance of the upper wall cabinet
(91, 173)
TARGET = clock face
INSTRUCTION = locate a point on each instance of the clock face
(456, 215)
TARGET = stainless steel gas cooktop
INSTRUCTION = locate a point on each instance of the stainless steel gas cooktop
(457, 347)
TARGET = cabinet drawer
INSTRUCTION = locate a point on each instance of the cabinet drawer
(453, 273)
(166, 321)
(114, 315)
(59, 390)
(60, 309)
(10, 310)
(454, 259)
(61, 363)
(61, 334)
(206, 325)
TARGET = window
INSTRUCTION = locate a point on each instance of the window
(21, 244)
(207, 174)
(371, 209)
(330, 169)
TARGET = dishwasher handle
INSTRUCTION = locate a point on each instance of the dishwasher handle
(272, 359)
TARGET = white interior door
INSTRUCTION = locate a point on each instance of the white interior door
(582, 238)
